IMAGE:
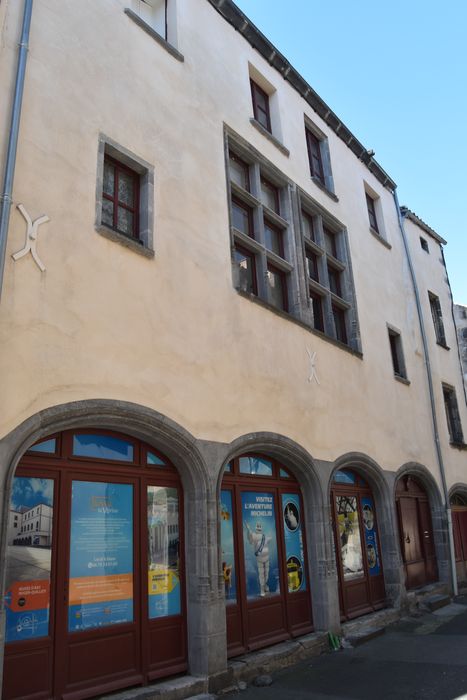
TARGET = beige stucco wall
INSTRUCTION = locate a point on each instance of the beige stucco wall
(171, 333)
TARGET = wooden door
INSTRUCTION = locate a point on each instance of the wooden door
(95, 589)
(359, 565)
(263, 555)
(415, 533)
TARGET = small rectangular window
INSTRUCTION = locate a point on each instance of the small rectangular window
(120, 198)
(339, 323)
(273, 238)
(452, 415)
(308, 226)
(317, 305)
(242, 218)
(277, 287)
(395, 344)
(246, 270)
(330, 242)
(270, 195)
(334, 280)
(424, 244)
(239, 171)
(260, 101)
(314, 155)
(312, 265)
(370, 203)
(437, 316)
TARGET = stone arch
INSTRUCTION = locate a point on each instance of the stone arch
(371, 471)
(321, 560)
(182, 449)
(458, 488)
(438, 514)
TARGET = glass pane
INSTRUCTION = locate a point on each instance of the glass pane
(260, 545)
(273, 239)
(269, 196)
(276, 286)
(262, 117)
(125, 221)
(255, 465)
(154, 460)
(344, 477)
(125, 188)
(284, 474)
(295, 560)
(246, 272)
(102, 447)
(330, 243)
(241, 218)
(228, 467)
(109, 178)
(48, 446)
(101, 555)
(227, 544)
(371, 540)
(312, 264)
(107, 212)
(308, 227)
(239, 173)
(28, 558)
(163, 552)
(334, 281)
(349, 533)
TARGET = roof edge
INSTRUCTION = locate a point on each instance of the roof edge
(235, 17)
(408, 214)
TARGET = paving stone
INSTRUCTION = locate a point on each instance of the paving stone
(262, 681)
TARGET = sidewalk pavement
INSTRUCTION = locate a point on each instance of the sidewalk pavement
(422, 657)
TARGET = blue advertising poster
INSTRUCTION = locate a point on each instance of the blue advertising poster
(28, 560)
(371, 542)
(163, 552)
(227, 544)
(295, 563)
(260, 544)
(101, 555)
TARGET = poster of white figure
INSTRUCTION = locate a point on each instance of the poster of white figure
(260, 544)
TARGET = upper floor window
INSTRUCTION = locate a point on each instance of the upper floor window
(452, 415)
(370, 203)
(260, 105)
(397, 355)
(318, 157)
(120, 198)
(437, 316)
(424, 244)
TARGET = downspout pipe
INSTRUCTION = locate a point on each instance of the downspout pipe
(7, 189)
(434, 417)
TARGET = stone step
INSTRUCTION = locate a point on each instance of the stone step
(435, 602)
(364, 635)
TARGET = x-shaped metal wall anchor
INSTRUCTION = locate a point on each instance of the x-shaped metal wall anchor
(313, 375)
(31, 237)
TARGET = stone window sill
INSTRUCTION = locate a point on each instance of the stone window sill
(324, 189)
(379, 237)
(270, 137)
(458, 445)
(443, 345)
(155, 35)
(126, 241)
(402, 380)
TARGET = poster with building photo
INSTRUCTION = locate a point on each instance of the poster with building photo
(163, 552)
(227, 545)
(260, 544)
(293, 537)
(349, 534)
(28, 565)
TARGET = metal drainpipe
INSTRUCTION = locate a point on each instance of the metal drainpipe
(434, 418)
(5, 197)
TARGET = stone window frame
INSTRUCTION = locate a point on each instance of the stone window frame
(437, 316)
(327, 182)
(397, 354)
(260, 169)
(453, 419)
(338, 260)
(371, 196)
(144, 244)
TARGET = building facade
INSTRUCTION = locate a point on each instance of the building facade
(232, 403)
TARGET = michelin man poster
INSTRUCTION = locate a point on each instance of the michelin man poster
(260, 544)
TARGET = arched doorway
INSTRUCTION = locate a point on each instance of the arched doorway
(359, 563)
(459, 526)
(95, 586)
(415, 532)
(264, 561)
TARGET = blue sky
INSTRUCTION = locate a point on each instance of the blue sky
(396, 74)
